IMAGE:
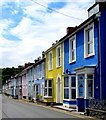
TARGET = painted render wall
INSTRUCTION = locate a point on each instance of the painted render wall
(103, 51)
(53, 74)
(39, 76)
(24, 85)
(80, 60)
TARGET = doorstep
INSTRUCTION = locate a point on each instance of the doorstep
(64, 108)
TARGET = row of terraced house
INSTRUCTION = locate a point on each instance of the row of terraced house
(72, 70)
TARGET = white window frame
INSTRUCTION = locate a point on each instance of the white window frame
(86, 54)
(70, 88)
(92, 86)
(57, 57)
(43, 69)
(47, 87)
(73, 38)
(50, 63)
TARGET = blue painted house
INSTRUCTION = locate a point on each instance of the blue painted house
(39, 76)
(85, 60)
(30, 81)
(13, 86)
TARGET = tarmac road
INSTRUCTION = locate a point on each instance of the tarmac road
(15, 109)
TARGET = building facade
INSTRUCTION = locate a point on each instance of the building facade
(39, 77)
(54, 70)
(85, 60)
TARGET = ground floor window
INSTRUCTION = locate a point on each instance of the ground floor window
(37, 90)
(70, 87)
(85, 85)
(90, 78)
(48, 88)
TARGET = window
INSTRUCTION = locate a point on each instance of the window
(37, 90)
(89, 41)
(50, 60)
(72, 49)
(43, 69)
(90, 85)
(58, 56)
(73, 87)
(70, 87)
(48, 88)
(66, 88)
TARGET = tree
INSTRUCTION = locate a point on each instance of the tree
(8, 72)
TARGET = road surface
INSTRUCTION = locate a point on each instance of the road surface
(15, 109)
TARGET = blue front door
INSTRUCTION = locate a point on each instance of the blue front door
(80, 99)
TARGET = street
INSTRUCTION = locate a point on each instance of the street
(15, 109)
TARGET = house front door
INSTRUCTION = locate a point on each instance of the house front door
(58, 90)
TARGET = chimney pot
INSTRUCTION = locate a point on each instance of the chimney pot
(69, 30)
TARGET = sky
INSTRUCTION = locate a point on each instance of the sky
(28, 27)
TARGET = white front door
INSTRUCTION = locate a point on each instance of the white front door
(58, 91)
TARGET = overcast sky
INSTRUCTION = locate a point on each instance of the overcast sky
(27, 28)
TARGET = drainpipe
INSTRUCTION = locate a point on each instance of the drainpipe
(99, 54)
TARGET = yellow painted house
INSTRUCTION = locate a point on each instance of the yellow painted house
(54, 70)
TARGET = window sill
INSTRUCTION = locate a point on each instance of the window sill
(58, 67)
(72, 61)
(90, 55)
(48, 97)
(69, 99)
(50, 70)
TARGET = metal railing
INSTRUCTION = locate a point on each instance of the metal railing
(97, 104)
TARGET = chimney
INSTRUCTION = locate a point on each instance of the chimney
(26, 65)
(43, 54)
(35, 60)
(53, 44)
(20, 67)
(39, 58)
(69, 30)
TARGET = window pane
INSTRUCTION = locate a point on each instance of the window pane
(90, 35)
(58, 50)
(73, 93)
(45, 83)
(50, 83)
(58, 56)
(45, 92)
(73, 81)
(90, 76)
(66, 82)
(73, 55)
(37, 88)
(59, 62)
(72, 45)
(50, 61)
(49, 91)
(90, 88)
(66, 93)
(90, 48)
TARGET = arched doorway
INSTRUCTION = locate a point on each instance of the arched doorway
(58, 90)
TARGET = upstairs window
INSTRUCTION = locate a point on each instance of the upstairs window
(72, 49)
(50, 60)
(89, 41)
(58, 56)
